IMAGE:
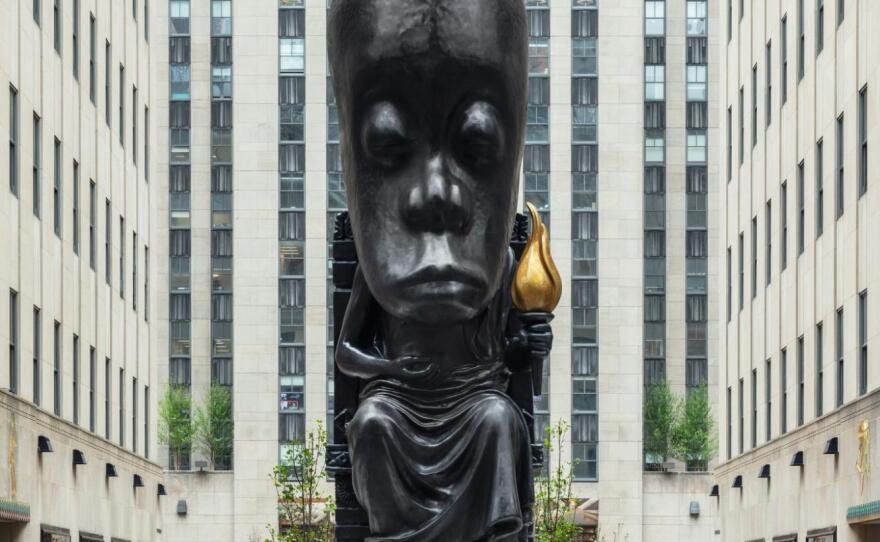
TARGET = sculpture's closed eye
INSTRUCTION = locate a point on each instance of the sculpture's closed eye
(480, 141)
(385, 136)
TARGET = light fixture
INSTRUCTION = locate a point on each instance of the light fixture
(737, 482)
(765, 472)
(181, 507)
(202, 465)
(714, 492)
(695, 509)
(79, 458)
(110, 470)
(44, 446)
(831, 447)
(161, 491)
(137, 481)
(797, 460)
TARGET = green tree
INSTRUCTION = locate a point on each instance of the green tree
(553, 496)
(693, 437)
(661, 412)
(175, 423)
(304, 513)
(213, 429)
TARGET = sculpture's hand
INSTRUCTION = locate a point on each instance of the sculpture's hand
(537, 333)
(413, 368)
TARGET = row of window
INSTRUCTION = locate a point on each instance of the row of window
(76, 384)
(819, 403)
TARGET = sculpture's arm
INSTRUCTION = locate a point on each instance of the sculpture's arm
(356, 353)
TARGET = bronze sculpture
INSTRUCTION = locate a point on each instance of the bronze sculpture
(432, 97)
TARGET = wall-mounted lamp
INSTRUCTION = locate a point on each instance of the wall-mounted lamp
(161, 491)
(695, 509)
(137, 481)
(797, 460)
(737, 482)
(79, 458)
(831, 447)
(181, 507)
(44, 445)
(764, 472)
(714, 492)
(110, 470)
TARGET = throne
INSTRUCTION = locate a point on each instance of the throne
(351, 519)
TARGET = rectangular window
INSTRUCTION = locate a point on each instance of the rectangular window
(768, 85)
(146, 144)
(93, 59)
(13, 341)
(783, 226)
(93, 224)
(122, 105)
(655, 83)
(107, 83)
(134, 414)
(754, 249)
(36, 11)
(841, 11)
(729, 423)
(121, 257)
(802, 40)
(75, 39)
(839, 356)
(134, 125)
(742, 415)
(38, 147)
(56, 22)
(754, 408)
(802, 212)
(108, 238)
(783, 391)
(729, 143)
(108, 379)
(13, 140)
(146, 283)
(841, 180)
(754, 105)
(146, 412)
(729, 35)
(742, 271)
(729, 284)
(801, 375)
(863, 343)
(134, 272)
(93, 387)
(820, 26)
(75, 379)
(783, 65)
(863, 141)
(697, 87)
(768, 243)
(820, 192)
(75, 207)
(742, 129)
(38, 345)
(56, 369)
(56, 190)
(768, 401)
(820, 372)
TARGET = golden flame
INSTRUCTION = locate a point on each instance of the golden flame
(537, 285)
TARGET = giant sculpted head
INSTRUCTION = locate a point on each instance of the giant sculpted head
(431, 97)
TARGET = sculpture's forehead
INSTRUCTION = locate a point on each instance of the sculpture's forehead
(465, 29)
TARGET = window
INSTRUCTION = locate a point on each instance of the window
(801, 209)
(38, 344)
(180, 82)
(75, 382)
(585, 434)
(768, 85)
(584, 54)
(37, 152)
(36, 9)
(768, 401)
(13, 140)
(56, 369)
(754, 105)
(121, 257)
(768, 243)
(729, 423)
(108, 238)
(801, 40)
(820, 373)
(108, 376)
(742, 271)
(820, 26)
(783, 66)
(654, 147)
(783, 391)
(75, 39)
(56, 190)
(801, 375)
(93, 59)
(121, 105)
(863, 141)
(820, 192)
(655, 82)
(122, 407)
(134, 125)
(729, 37)
(696, 18)
(93, 224)
(134, 270)
(729, 143)
(696, 83)
(655, 17)
(134, 414)
(754, 249)
(146, 411)
(696, 147)
(828, 534)
(742, 129)
(56, 25)
(107, 83)
(146, 283)
(93, 387)
(729, 285)
(13, 341)
(742, 415)
(783, 230)
(839, 356)
(841, 11)
(841, 180)
(146, 143)
(75, 207)
(863, 343)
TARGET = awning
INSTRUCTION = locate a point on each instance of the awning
(14, 511)
(864, 514)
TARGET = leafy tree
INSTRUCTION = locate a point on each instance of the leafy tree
(553, 496)
(213, 427)
(661, 412)
(175, 424)
(693, 437)
(305, 515)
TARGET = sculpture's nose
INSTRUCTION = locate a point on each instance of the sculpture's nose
(437, 202)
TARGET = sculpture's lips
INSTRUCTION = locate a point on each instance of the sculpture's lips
(446, 274)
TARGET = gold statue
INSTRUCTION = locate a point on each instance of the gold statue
(537, 285)
(863, 465)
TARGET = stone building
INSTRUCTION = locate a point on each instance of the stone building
(77, 388)
(798, 380)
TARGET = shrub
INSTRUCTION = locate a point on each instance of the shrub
(553, 497)
(175, 424)
(213, 430)
(661, 411)
(693, 437)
